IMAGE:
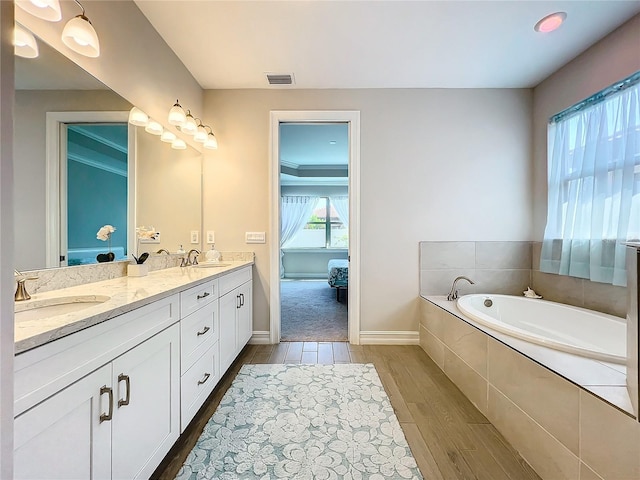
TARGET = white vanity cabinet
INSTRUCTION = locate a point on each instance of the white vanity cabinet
(119, 419)
(236, 316)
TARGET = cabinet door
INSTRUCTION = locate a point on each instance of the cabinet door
(146, 420)
(63, 437)
(245, 315)
(228, 306)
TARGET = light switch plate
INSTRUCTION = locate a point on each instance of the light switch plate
(151, 240)
(195, 236)
(255, 237)
(211, 236)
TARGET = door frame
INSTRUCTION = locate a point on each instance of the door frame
(352, 118)
(55, 150)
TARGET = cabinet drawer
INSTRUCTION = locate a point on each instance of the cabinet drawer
(232, 280)
(198, 332)
(197, 383)
(197, 297)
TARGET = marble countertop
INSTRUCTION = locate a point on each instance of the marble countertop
(125, 294)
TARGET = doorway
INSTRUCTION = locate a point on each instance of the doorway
(299, 262)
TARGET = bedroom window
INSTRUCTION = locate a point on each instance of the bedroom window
(324, 228)
(594, 185)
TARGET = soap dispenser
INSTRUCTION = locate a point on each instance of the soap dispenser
(212, 256)
(181, 250)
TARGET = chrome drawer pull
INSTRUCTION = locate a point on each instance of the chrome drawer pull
(205, 330)
(107, 416)
(205, 378)
(127, 382)
(204, 295)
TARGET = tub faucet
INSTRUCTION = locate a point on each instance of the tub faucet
(453, 293)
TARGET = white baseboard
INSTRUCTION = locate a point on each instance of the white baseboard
(260, 338)
(390, 338)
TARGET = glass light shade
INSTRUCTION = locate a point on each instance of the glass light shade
(80, 36)
(178, 144)
(45, 9)
(24, 42)
(153, 127)
(167, 136)
(138, 117)
(201, 134)
(176, 115)
(189, 126)
(211, 142)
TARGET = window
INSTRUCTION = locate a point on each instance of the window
(324, 228)
(594, 185)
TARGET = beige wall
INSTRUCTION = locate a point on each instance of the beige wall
(31, 107)
(435, 165)
(613, 58)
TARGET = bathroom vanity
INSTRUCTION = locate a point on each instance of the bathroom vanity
(105, 391)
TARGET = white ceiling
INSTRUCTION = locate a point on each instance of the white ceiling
(379, 44)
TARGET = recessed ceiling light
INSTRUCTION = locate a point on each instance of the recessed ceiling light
(550, 22)
(332, 142)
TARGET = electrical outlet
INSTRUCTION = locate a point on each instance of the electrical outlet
(211, 236)
(195, 236)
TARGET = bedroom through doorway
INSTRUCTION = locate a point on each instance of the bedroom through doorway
(314, 236)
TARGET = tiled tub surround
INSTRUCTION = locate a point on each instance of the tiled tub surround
(63, 277)
(552, 419)
(126, 294)
(509, 268)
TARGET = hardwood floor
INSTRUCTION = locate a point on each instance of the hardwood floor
(449, 438)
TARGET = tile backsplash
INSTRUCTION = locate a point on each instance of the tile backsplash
(509, 267)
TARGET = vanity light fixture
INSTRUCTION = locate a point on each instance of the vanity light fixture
(190, 127)
(24, 42)
(138, 117)
(211, 142)
(178, 144)
(177, 115)
(153, 127)
(45, 9)
(167, 136)
(201, 133)
(550, 23)
(80, 36)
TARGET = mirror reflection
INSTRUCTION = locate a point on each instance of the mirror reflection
(80, 166)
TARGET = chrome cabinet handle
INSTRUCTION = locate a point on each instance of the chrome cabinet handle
(204, 379)
(242, 299)
(107, 416)
(121, 377)
(238, 305)
(204, 330)
(204, 295)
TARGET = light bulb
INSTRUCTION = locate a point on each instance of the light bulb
(138, 117)
(167, 136)
(179, 144)
(24, 42)
(176, 115)
(45, 9)
(153, 127)
(80, 36)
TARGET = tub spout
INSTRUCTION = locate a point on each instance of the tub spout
(453, 293)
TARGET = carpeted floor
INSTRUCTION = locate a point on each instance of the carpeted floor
(310, 312)
(303, 422)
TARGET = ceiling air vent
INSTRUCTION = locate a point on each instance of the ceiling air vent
(279, 79)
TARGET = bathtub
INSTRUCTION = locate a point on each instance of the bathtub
(554, 325)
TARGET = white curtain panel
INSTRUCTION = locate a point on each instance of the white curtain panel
(294, 214)
(341, 204)
(594, 189)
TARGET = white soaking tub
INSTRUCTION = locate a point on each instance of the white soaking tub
(555, 325)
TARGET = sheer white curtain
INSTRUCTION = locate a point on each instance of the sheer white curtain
(594, 189)
(294, 214)
(341, 204)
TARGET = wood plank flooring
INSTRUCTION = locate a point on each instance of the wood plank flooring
(449, 438)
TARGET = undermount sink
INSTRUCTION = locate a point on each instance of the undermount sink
(211, 265)
(50, 307)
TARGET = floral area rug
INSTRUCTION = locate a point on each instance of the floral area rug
(303, 422)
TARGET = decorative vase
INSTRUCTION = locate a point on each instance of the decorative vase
(106, 257)
(137, 269)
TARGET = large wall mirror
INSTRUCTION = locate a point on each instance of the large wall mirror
(79, 165)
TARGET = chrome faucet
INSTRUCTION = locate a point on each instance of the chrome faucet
(186, 261)
(453, 293)
(21, 291)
